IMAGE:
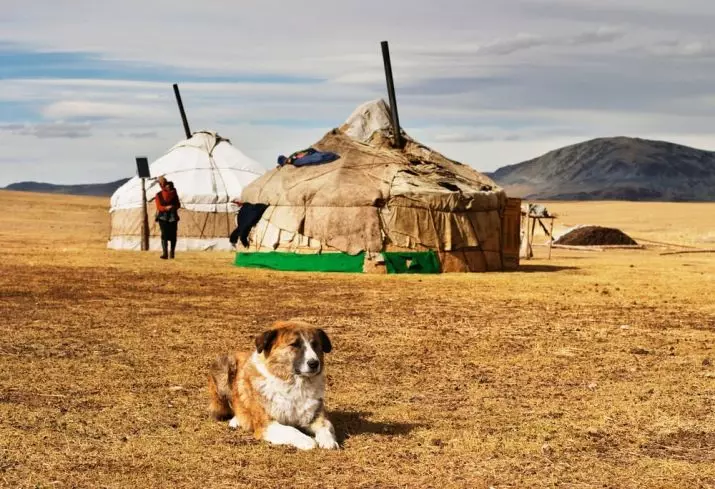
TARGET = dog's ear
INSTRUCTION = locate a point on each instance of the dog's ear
(325, 344)
(264, 341)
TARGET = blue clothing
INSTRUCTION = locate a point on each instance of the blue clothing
(310, 156)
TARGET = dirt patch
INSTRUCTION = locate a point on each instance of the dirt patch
(595, 236)
(692, 446)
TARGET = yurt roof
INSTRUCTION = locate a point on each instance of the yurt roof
(207, 171)
(370, 171)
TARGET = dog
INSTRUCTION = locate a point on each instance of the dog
(276, 391)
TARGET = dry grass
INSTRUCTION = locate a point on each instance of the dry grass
(682, 223)
(589, 370)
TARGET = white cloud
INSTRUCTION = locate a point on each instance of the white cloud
(527, 41)
(140, 135)
(662, 15)
(603, 34)
(473, 137)
(51, 130)
(85, 109)
(699, 48)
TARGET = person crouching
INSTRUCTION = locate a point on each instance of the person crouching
(167, 215)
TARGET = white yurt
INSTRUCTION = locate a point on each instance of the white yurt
(209, 173)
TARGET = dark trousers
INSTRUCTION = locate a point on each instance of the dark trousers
(168, 230)
(248, 216)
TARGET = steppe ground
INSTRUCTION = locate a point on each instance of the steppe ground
(592, 369)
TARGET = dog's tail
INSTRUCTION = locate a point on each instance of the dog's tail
(221, 377)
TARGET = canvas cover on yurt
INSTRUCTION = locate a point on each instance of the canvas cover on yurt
(377, 208)
(208, 173)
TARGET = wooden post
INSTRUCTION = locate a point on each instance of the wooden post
(528, 237)
(524, 237)
(531, 241)
(551, 236)
(145, 219)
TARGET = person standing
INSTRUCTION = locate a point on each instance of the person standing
(167, 215)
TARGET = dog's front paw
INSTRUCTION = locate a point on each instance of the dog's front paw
(279, 434)
(234, 423)
(304, 443)
(326, 439)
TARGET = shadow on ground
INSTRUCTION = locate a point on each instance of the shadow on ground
(351, 423)
(543, 268)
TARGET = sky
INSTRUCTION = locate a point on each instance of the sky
(86, 85)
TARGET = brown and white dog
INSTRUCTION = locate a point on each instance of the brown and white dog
(277, 390)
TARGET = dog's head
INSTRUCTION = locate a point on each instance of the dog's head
(293, 348)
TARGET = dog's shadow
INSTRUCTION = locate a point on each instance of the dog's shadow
(351, 423)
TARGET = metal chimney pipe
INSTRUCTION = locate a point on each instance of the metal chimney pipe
(181, 110)
(397, 140)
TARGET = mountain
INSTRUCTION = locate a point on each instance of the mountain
(614, 169)
(96, 189)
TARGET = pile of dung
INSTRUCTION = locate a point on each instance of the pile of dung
(595, 236)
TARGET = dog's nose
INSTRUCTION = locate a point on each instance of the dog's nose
(313, 364)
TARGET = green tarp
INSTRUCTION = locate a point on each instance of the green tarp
(324, 262)
(411, 262)
(395, 262)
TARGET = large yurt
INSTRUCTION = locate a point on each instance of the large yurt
(209, 173)
(380, 208)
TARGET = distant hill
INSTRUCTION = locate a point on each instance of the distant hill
(96, 189)
(614, 169)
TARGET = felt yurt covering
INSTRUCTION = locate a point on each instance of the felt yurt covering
(209, 173)
(377, 208)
